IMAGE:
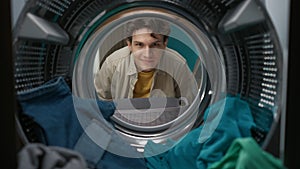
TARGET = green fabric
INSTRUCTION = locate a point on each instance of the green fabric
(245, 153)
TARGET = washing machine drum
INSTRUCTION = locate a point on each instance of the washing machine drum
(230, 47)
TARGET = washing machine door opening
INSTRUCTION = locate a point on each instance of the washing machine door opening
(200, 77)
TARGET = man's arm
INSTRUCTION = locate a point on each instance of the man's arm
(102, 81)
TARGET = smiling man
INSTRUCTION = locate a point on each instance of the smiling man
(146, 67)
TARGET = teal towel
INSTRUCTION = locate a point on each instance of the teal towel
(224, 121)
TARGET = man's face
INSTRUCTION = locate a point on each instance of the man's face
(146, 49)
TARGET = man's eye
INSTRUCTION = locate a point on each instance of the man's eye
(139, 44)
(156, 44)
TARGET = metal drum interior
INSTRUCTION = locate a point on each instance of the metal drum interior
(229, 53)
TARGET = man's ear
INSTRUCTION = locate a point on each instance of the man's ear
(129, 45)
(166, 42)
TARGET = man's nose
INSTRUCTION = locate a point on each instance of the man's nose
(147, 51)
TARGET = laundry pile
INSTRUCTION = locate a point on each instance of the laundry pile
(78, 124)
(223, 141)
(78, 134)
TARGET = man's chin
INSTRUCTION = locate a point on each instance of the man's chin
(148, 69)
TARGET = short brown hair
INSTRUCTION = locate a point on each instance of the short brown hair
(156, 25)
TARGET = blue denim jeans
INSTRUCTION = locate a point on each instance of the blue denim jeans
(79, 124)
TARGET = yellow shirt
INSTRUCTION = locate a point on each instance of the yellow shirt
(142, 87)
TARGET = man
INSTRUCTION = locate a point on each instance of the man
(145, 67)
